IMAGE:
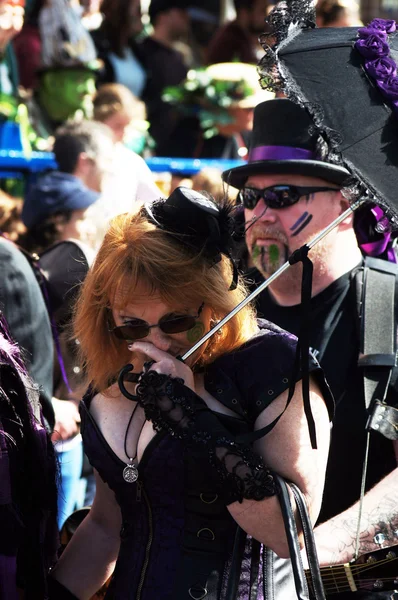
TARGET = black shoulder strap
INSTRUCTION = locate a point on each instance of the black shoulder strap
(378, 331)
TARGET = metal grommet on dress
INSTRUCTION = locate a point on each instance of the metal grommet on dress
(206, 530)
(206, 500)
(270, 392)
(197, 592)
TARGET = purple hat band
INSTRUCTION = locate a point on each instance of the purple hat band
(280, 153)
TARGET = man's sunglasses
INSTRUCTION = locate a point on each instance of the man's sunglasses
(278, 196)
(136, 329)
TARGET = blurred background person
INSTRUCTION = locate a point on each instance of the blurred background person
(129, 180)
(164, 65)
(238, 40)
(11, 225)
(209, 181)
(11, 22)
(91, 13)
(116, 107)
(338, 13)
(216, 106)
(67, 73)
(204, 25)
(54, 207)
(116, 46)
(27, 46)
(54, 213)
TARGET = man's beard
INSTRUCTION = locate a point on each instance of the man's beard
(268, 259)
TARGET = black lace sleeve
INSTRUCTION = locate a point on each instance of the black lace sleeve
(239, 472)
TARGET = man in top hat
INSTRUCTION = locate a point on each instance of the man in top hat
(290, 193)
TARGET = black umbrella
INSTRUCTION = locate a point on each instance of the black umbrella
(350, 89)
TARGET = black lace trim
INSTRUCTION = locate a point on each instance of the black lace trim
(171, 406)
(287, 18)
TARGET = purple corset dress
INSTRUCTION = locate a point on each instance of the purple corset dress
(178, 540)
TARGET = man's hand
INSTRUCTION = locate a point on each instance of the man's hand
(67, 419)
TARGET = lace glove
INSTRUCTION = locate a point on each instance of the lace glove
(170, 405)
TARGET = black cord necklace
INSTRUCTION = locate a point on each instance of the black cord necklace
(130, 471)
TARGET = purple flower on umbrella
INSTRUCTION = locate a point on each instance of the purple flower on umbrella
(374, 46)
(387, 25)
(365, 32)
(389, 88)
(381, 68)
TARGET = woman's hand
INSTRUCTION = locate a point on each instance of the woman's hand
(165, 363)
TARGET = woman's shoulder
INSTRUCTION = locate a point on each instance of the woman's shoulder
(260, 370)
(269, 340)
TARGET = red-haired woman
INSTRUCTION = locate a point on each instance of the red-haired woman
(175, 481)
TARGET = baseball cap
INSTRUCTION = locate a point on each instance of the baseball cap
(55, 192)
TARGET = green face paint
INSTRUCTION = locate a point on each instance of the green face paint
(274, 256)
(62, 92)
(194, 334)
(266, 258)
(256, 251)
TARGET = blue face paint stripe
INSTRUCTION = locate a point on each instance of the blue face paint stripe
(309, 218)
(299, 220)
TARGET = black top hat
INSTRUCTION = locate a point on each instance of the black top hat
(347, 93)
(284, 140)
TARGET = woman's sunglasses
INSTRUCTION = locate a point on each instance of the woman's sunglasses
(137, 329)
(278, 196)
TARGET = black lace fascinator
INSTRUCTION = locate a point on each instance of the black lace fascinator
(198, 223)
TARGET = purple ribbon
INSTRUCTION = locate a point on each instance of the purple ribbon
(280, 153)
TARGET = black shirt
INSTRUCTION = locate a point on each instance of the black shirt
(334, 339)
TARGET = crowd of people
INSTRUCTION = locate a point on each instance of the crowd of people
(135, 462)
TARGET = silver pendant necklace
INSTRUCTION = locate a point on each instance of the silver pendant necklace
(130, 471)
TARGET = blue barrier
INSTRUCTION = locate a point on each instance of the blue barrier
(18, 163)
(14, 163)
(189, 166)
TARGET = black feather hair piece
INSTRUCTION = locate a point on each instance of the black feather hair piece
(198, 223)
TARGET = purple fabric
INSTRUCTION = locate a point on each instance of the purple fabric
(29, 538)
(8, 576)
(280, 153)
(383, 243)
